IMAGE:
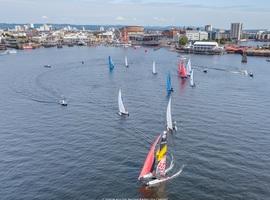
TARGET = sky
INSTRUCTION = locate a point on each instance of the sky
(219, 13)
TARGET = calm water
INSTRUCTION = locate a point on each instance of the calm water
(86, 151)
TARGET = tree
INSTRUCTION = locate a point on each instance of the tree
(183, 40)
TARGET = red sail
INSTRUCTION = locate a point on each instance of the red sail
(149, 161)
(182, 70)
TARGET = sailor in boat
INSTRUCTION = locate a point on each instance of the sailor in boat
(63, 101)
(160, 155)
(250, 74)
(174, 126)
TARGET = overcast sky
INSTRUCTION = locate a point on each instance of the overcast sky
(219, 13)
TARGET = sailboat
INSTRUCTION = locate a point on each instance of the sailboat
(111, 65)
(169, 84)
(192, 84)
(188, 67)
(154, 68)
(170, 125)
(155, 169)
(122, 110)
(63, 101)
(126, 61)
(182, 69)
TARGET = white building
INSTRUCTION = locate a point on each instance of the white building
(206, 46)
(203, 35)
(193, 35)
(236, 31)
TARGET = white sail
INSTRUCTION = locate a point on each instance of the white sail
(169, 116)
(189, 67)
(154, 67)
(191, 79)
(122, 109)
(126, 61)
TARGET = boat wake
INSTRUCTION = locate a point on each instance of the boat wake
(227, 69)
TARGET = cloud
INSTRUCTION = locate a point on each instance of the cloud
(120, 18)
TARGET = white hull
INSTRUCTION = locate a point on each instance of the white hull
(159, 181)
(122, 114)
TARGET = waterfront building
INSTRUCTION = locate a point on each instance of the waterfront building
(220, 35)
(106, 36)
(145, 39)
(202, 47)
(236, 31)
(263, 36)
(128, 32)
(194, 35)
(203, 35)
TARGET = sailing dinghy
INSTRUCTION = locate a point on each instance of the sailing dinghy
(188, 67)
(154, 68)
(126, 61)
(192, 84)
(155, 169)
(111, 65)
(122, 110)
(170, 125)
(169, 84)
(182, 69)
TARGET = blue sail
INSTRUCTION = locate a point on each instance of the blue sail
(169, 84)
(111, 65)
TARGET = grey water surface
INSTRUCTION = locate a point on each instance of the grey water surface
(87, 151)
